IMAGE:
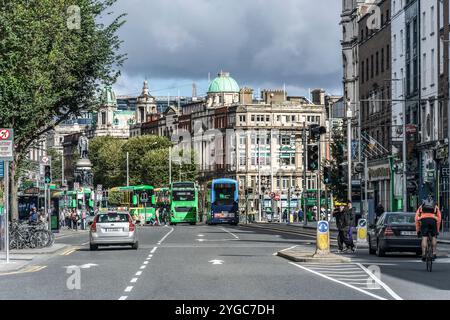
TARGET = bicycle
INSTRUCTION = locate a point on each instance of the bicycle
(429, 254)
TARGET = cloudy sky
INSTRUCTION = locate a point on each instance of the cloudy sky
(262, 43)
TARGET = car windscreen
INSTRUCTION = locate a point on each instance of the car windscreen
(183, 195)
(393, 219)
(224, 194)
(112, 217)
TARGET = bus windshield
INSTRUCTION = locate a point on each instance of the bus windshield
(183, 195)
(224, 194)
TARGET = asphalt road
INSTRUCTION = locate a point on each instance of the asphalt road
(221, 262)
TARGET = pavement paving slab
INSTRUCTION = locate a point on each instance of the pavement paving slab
(306, 255)
(12, 266)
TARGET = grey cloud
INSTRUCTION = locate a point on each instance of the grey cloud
(259, 41)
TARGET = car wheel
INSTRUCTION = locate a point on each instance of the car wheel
(380, 252)
(93, 247)
(371, 251)
(135, 246)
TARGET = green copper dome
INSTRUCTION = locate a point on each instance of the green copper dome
(223, 83)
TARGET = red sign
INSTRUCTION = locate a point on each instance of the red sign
(4, 134)
(277, 197)
(411, 129)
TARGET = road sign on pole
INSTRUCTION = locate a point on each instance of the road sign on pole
(6, 144)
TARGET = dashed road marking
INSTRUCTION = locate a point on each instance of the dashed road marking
(138, 273)
(145, 262)
(128, 289)
(153, 250)
(142, 267)
(123, 298)
(235, 236)
(134, 280)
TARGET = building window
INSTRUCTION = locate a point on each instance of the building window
(253, 118)
(371, 67)
(388, 57)
(362, 72)
(242, 119)
(267, 118)
(432, 67)
(382, 59)
(377, 67)
(367, 69)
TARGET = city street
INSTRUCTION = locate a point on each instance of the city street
(222, 262)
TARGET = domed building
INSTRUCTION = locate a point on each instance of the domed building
(223, 90)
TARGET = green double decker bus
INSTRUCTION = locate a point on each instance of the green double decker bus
(183, 198)
(139, 201)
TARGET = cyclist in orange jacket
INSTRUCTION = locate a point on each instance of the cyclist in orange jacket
(428, 221)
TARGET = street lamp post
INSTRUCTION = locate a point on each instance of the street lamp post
(349, 150)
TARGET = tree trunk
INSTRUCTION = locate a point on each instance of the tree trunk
(14, 199)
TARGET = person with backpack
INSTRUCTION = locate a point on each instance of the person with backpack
(428, 222)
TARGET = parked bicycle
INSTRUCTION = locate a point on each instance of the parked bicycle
(24, 235)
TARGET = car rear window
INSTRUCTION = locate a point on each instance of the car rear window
(112, 217)
(400, 219)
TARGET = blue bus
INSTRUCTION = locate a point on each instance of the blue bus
(222, 202)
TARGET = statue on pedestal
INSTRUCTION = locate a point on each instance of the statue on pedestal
(83, 146)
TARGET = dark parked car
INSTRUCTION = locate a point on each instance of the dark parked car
(394, 232)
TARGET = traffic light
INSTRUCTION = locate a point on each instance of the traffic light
(47, 174)
(313, 157)
(342, 173)
(327, 175)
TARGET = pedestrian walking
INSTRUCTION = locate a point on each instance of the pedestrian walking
(34, 215)
(342, 226)
(379, 212)
(83, 220)
(300, 215)
(350, 220)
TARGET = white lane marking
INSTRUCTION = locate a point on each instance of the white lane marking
(83, 244)
(216, 261)
(200, 240)
(168, 234)
(289, 248)
(138, 273)
(150, 255)
(123, 298)
(145, 262)
(337, 281)
(128, 289)
(134, 280)
(148, 259)
(200, 235)
(381, 283)
(153, 250)
(142, 267)
(235, 236)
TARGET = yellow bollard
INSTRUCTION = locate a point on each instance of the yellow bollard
(323, 238)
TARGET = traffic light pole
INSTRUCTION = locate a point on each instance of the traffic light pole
(305, 166)
(319, 184)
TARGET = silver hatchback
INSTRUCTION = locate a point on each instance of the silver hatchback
(113, 228)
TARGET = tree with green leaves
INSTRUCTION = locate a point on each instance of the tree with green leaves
(137, 148)
(54, 58)
(106, 155)
(338, 183)
(155, 168)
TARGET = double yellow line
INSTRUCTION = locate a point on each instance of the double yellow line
(30, 269)
(68, 251)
